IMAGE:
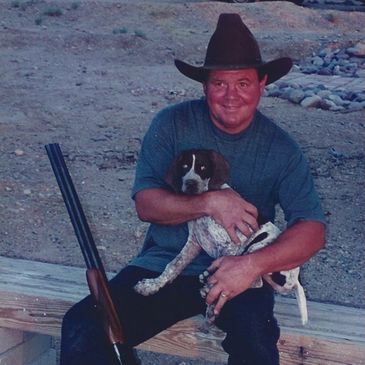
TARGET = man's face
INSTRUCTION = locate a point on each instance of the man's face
(232, 98)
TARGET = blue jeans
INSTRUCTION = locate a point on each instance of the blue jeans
(252, 331)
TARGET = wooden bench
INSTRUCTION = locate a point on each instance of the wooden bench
(34, 297)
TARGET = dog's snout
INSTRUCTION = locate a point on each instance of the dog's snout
(190, 182)
(190, 187)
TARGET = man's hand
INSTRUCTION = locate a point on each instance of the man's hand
(230, 210)
(230, 276)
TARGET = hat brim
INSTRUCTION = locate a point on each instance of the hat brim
(274, 69)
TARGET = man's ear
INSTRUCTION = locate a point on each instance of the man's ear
(263, 84)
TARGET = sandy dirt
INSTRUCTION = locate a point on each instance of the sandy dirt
(91, 79)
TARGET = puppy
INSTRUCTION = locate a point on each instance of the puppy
(197, 171)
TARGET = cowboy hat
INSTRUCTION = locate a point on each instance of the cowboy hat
(231, 47)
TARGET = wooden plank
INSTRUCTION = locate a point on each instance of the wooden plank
(57, 287)
(308, 350)
(48, 358)
(185, 339)
(28, 351)
(32, 313)
(9, 338)
(46, 280)
(334, 335)
(325, 320)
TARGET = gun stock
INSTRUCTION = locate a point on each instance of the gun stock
(101, 295)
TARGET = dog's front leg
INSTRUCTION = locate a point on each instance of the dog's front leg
(172, 270)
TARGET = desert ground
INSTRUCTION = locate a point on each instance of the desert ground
(90, 75)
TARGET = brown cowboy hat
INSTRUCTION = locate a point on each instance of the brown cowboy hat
(231, 47)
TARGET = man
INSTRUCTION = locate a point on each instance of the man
(267, 168)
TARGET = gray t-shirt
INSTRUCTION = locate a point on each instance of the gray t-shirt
(267, 168)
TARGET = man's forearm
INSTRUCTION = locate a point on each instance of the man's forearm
(226, 206)
(164, 207)
(294, 246)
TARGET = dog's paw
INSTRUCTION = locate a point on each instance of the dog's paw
(203, 278)
(209, 314)
(258, 283)
(205, 290)
(147, 287)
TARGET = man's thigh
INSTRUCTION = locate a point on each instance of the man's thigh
(143, 317)
(251, 329)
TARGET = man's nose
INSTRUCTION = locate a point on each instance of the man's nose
(231, 91)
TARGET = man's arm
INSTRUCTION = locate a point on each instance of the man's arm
(235, 274)
(225, 206)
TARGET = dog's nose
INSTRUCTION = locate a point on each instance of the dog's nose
(190, 187)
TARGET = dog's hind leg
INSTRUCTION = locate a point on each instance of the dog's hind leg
(172, 270)
(290, 281)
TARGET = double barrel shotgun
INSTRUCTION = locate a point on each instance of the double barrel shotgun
(95, 274)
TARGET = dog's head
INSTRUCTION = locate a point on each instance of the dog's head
(195, 171)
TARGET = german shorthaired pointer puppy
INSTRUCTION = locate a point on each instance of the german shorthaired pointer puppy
(194, 172)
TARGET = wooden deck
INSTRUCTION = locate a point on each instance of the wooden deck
(34, 297)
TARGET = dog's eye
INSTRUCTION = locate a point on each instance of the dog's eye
(202, 168)
(185, 166)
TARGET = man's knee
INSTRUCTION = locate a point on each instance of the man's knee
(252, 331)
(255, 344)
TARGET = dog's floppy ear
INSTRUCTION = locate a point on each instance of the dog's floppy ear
(220, 170)
(172, 176)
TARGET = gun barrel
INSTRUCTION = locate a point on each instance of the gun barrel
(74, 208)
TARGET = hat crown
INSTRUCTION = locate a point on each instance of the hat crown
(232, 44)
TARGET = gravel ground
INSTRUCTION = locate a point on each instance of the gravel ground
(94, 85)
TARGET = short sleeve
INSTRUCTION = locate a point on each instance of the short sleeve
(156, 153)
(296, 193)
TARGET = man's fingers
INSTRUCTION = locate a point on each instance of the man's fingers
(214, 266)
(232, 233)
(222, 300)
(245, 229)
(251, 221)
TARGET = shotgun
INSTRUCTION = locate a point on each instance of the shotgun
(96, 276)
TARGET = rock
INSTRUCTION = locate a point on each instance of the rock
(325, 71)
(337, 108)
(296, 96)
(358, 50)
(327, 104)
(324, 93)
(359, 97)
(338, 100)
(19, 152)
(317, 61)
(354, 106)
(311, 101)
(332, 151)
(360, 73)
